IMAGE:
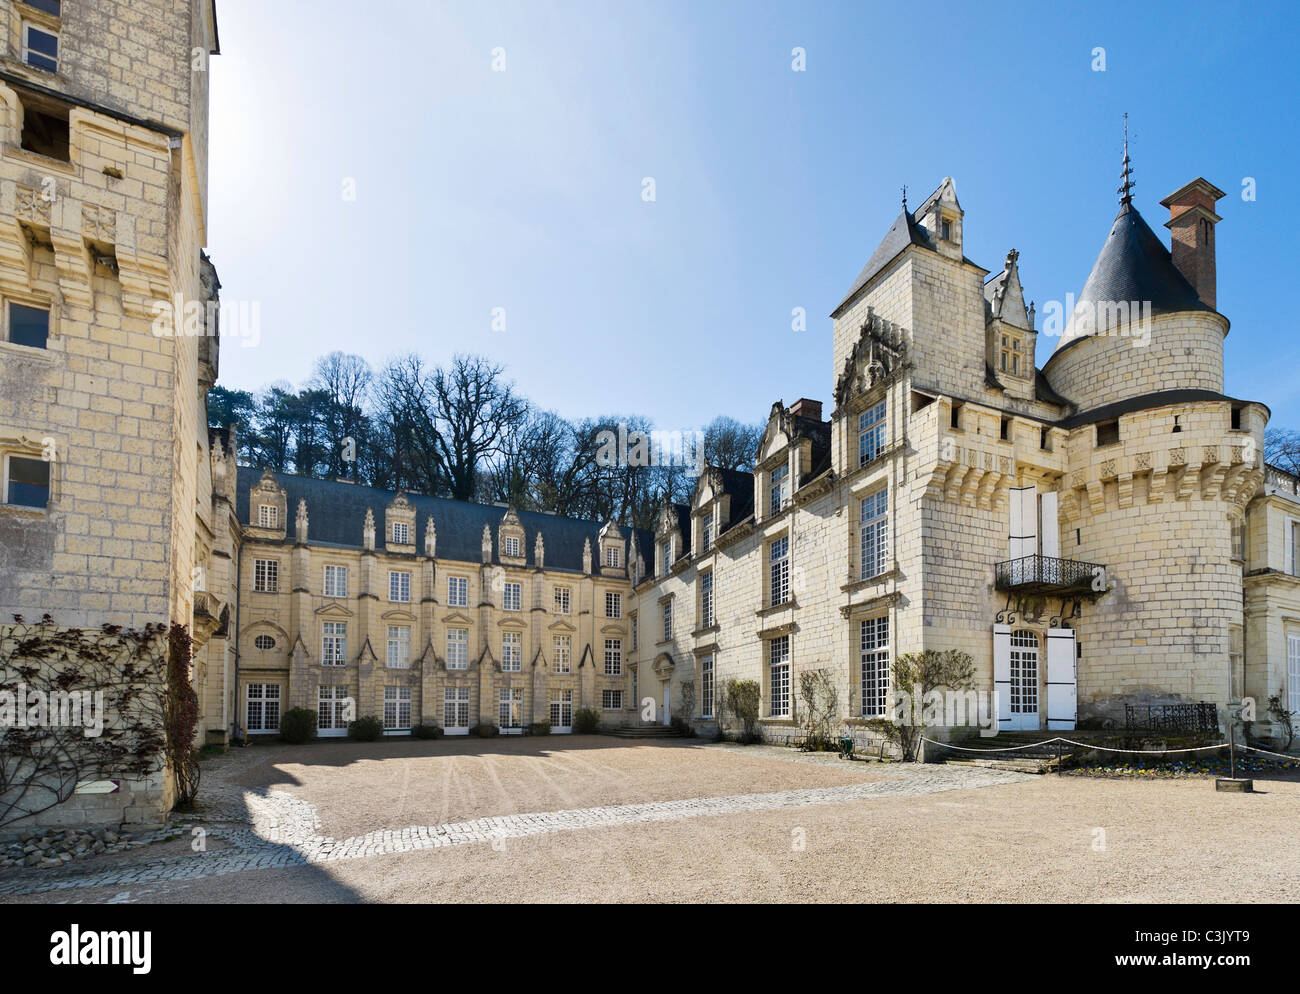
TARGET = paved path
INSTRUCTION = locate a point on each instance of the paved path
(274, 829)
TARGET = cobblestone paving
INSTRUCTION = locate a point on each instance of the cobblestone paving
(277, 830)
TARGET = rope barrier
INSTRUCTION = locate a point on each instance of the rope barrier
(1089, 745)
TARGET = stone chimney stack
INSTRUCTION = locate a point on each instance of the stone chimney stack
(805, 408)
(1191, 224)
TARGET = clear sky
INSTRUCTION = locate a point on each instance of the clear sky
(522, 189)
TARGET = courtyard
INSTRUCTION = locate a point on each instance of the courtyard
(596, 819)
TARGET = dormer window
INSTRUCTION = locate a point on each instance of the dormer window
(667, 551)
(510, 547)
(780, 488)
(612, 558)
(1010, 353)
(706, 531)
(871, 433)
(267, 516)
(945, 230)
(401, 533)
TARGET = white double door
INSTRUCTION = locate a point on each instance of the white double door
(1017, 656)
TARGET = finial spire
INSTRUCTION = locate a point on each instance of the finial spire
(904, 196)
(1126, 175)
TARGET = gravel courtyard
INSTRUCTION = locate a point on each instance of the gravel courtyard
(599, 819)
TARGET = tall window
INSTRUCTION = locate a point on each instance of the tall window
(635, 626)
(612, 557)
(268, 516)
(512, 598)
(706, 531)
(668, 620)
(667, 551)
(611, 700)
(455, 707)
(266, 575)
(336, 581)
(1024, 672)
(613, 605)
(511, 709)
(399, 646)
(510, 546)
(27, 482)
(401, 533)
(1295, 548)
(512, 651)
(1293, 672)
(871, 433)
(263, 707)
(778, 676)
(40, 48)
(334, 643)
(779, 570)
(779, 492)
(562, 652)
(28, 326)
(457, 648)
(613, 657)
(706, 599)
(458, 591)
(399, 587)
(561, 709)
(561, 600)
(875, 667)
(397, 707)
(334, 709)
(706, 686)
(873, 533)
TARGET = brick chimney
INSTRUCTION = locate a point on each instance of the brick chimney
(805, 408)
(1191, 224)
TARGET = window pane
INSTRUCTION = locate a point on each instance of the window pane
(29, 482)
(43, 42)
(49, 6)
(28, 326)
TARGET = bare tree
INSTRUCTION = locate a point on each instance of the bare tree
(344, 382)
(729, 444)
(476, 411)
(1282, 448)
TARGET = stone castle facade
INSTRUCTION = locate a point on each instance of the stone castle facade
(1097, 531)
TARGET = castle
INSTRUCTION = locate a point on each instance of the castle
(1096, 532)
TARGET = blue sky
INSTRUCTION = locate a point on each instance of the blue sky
(522, 189)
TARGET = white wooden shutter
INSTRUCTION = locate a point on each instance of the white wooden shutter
(1293, 672)
(1002, 673)
(1051, 540)
(1024, 521)
(1062, 688)
(1288, 547)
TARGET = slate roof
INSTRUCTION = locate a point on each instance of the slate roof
(904, 232)
(336, 514)
(740, 486)
(1134, 265)
(1146, 402)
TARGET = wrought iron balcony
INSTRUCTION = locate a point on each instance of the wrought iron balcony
(1046, 575)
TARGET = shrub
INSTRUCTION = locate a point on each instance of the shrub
(585, 721)
(541, 728)
(426, 732)
(485, 730)
(298, 725)
(367, 729)
(743, 700)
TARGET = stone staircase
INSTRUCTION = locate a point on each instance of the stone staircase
(645, 731)
(1034, 757)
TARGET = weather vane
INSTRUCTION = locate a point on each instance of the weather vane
(1126, 183)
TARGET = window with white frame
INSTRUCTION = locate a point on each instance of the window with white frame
(264, 642)
(613, 657)
(457, 648)
(397, 708)
(706, 599)
(635, 627)
(512, 597)
(268, 516)
(455, 707)
(778, 677)
(399, 586)
(560, 600)
(263, 707)
(1293, 672)
(871, 433)
(334, 643)
(668, 620)
(667, 552)
(873, 533)
(334, 709)
(613, 556)
(613, 605)
(562, 647)
(336, 581)
(399, 646)
(26, 481)
(779, 488)
(401, 533)
(874, 649)
(266, 576)
(510, 546)
(511, 709)
(778, 560)
(611, 700)
(457, 591)
(40, 47)
(706, 531)
(562, 709)
(512, 651)
(1293, 548)
(706, 686)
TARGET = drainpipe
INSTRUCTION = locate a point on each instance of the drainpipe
(239, 573)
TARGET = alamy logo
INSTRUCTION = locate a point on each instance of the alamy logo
(23, 708)
(650, 448)
(101, 948)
